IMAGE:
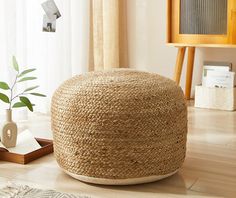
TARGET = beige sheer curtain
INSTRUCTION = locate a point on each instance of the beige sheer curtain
(108, 35)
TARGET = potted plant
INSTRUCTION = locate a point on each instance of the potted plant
(15, 100)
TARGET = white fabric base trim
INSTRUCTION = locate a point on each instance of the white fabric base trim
(132, 181)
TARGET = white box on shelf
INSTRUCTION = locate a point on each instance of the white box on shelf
(215, 98)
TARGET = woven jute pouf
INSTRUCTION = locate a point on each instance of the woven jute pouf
(119, 127)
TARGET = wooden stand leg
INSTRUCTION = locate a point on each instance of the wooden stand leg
(179, 64)
(189, 74)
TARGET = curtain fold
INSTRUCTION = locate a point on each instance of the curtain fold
(108, 34)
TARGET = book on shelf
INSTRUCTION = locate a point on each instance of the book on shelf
(220, 79)
(218, 74)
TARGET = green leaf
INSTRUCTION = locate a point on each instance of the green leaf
(26, 72)
(18, 105)
(31, 88)
(15, 64)
(26, 79)
(4, 98)
(38, 94)
(27, 102)
(4, 86)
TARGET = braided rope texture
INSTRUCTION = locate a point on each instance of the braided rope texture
(119, 124)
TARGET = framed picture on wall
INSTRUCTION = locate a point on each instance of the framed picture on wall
(51, 9)
(49, 24)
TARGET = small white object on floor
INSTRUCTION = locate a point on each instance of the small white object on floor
(26, 143)
(215, 98)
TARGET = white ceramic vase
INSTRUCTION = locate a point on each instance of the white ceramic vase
(9, 131)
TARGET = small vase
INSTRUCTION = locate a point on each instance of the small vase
(9, 131)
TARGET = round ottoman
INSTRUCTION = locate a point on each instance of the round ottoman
(119, 127)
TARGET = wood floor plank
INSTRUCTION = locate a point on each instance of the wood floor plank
(217, 187)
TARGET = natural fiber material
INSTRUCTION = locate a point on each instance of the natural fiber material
(119, 124)
(15, 191)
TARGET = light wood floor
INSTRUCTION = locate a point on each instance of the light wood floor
(209, 169)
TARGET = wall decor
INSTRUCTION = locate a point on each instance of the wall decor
(51, 14)
(49, 24)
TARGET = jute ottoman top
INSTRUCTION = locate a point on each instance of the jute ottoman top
(119, 127)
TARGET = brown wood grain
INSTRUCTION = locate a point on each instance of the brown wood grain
(189, 74)
(179, 64)
(47, 148)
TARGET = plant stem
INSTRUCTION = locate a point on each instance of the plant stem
(23, 93)
(12, 88)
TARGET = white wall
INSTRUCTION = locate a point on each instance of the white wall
(147, 37)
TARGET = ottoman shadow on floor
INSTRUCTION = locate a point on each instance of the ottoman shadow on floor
(119, 127)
